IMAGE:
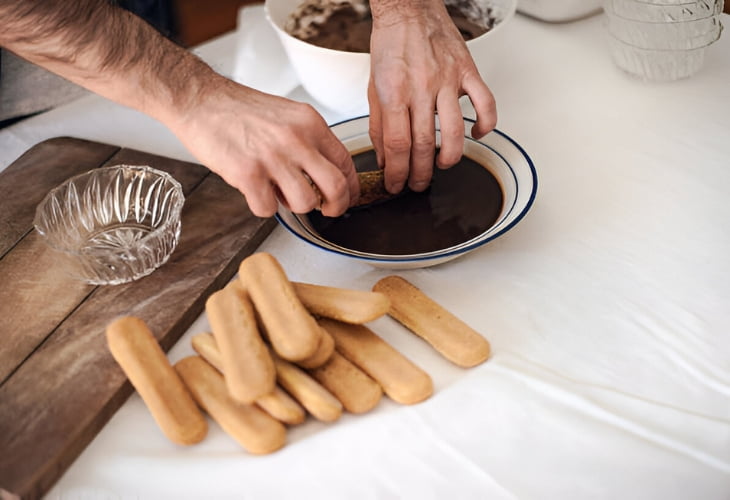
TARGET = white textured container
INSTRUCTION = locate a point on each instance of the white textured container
(338, 79)
(557, 11)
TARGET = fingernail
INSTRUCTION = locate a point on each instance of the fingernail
(419, 186)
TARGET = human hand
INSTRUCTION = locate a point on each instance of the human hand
(420, 64)
(269, 148)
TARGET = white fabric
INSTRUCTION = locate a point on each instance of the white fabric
(607, 308)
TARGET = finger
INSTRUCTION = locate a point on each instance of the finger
(423, 132)
(260, 197)
(332, 185)
(297, 192)
(396, 146)
(376, 124)
(483, 102)
(335, 153)
(452, 128)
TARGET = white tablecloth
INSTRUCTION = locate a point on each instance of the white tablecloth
(608, 309)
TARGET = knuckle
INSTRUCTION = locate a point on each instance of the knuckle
(261, 207)
(306, 114)
(305, 202)
(452, 135)
(423, 142)
(338, 185)
(397, 144)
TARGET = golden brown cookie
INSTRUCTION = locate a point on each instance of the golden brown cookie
(278, 403)
(291, 329)
(316, 399)
(135, 348)
(450, 336)
(400, 378)
(357, 392)
(342, 304)
(253, 428)
(322, 354)
(246, 362)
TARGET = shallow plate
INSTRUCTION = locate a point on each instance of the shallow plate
(500, 154)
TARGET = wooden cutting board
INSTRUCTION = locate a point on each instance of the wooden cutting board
(58, 383)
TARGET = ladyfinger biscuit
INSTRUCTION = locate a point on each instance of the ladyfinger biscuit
(139, 354)
(357, 392)
(400, 378)
(446, 333)
(316, 399)
(254, 429)
(291, 329)
(278, 403)
(349, 306)
(245, 359)
(322, 354)
(282, 407)
(205, 345)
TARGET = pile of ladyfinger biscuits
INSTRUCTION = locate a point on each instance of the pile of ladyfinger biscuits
(281, 350)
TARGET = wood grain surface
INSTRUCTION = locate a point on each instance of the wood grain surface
(59, 384)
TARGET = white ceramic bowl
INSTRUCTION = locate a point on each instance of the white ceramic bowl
(558, 11)
(500, 154)
(338, 80)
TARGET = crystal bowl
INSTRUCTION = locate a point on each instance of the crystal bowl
(656, 65)
(663, 13)
(504, 158)
(114, 224)
(665, 35)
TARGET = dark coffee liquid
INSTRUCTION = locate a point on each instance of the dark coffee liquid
(461, 203)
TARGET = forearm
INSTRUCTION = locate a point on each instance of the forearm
(105, 49)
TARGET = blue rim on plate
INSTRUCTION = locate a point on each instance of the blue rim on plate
(441, 255)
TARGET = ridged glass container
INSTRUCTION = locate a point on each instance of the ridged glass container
(656, 65)
(659, 13)
(112, 225)
(665, 35)
(662, 40)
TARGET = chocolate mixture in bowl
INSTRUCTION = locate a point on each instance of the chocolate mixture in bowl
(346, 24)
(461, 203)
